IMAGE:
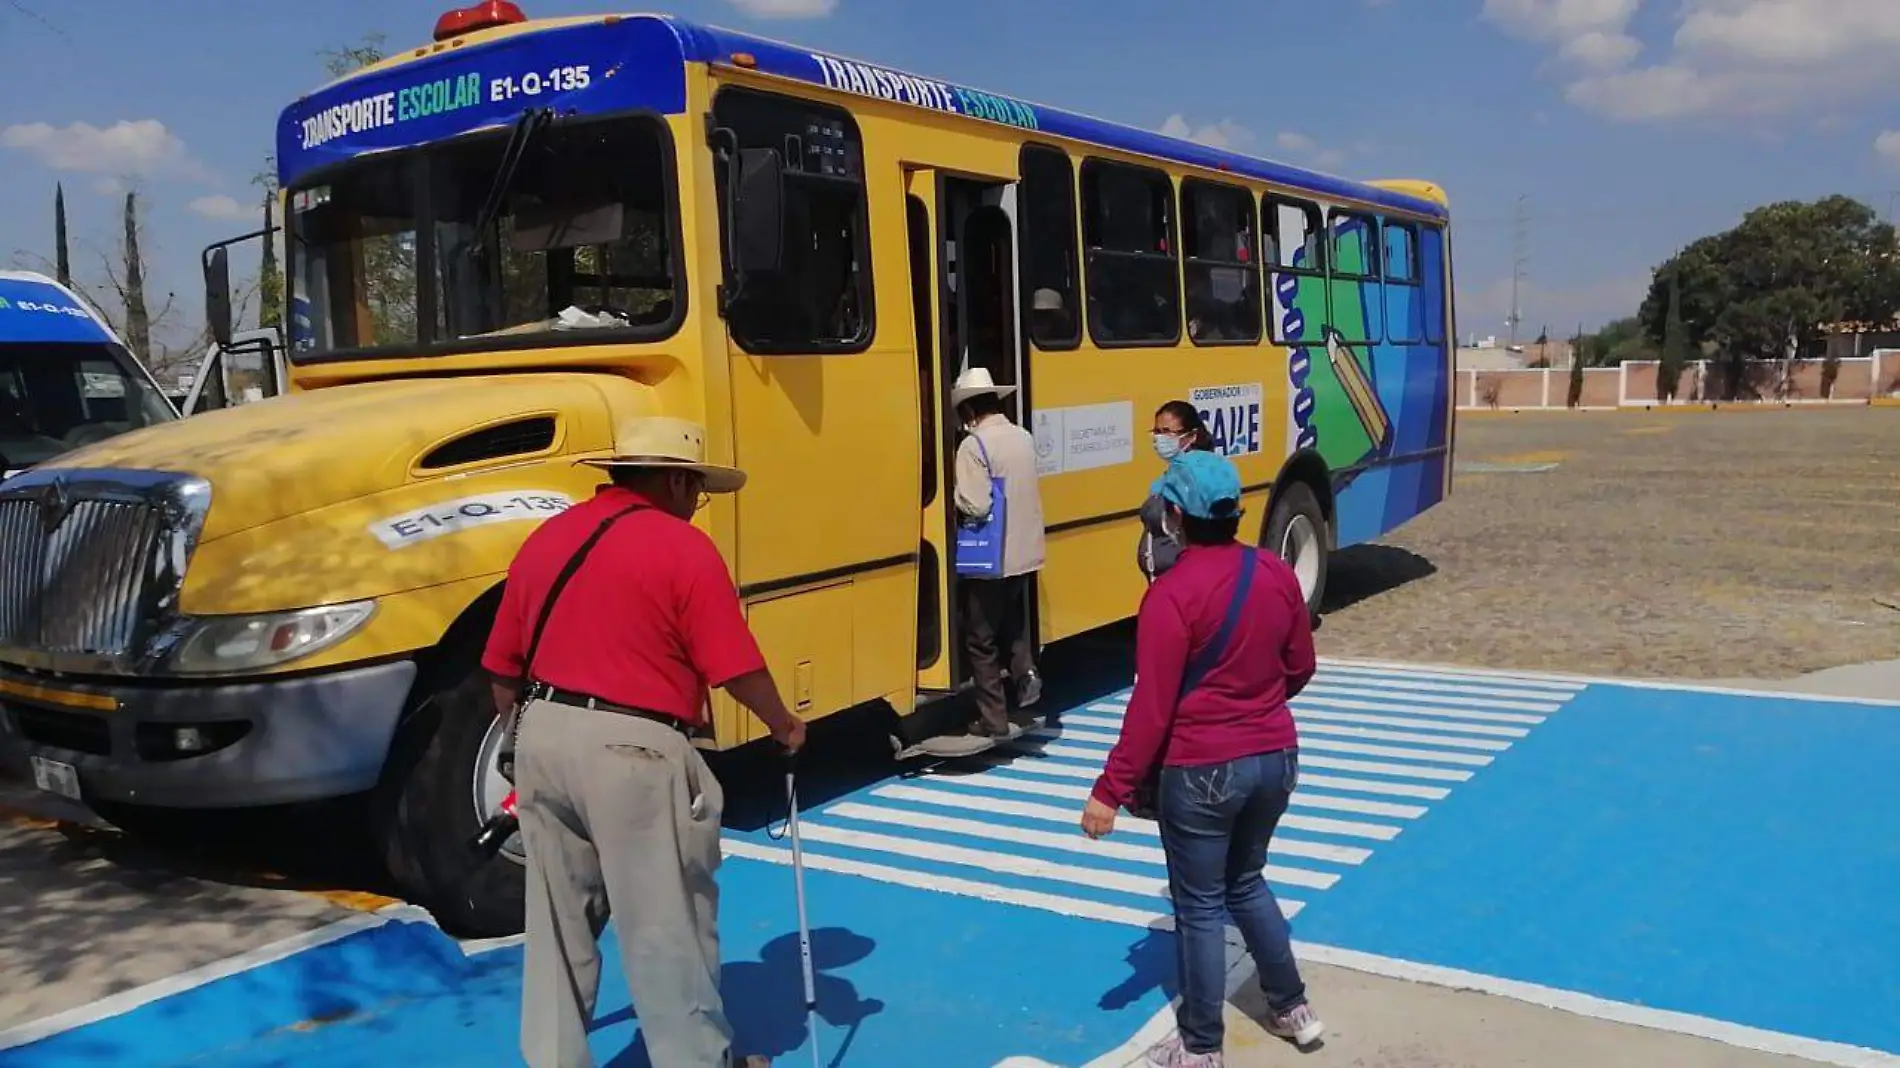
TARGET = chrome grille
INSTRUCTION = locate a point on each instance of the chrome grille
(91, 563)
(77, 589)
(22, 556)
(94, 578)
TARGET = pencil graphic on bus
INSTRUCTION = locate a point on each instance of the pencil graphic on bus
(1359, 393)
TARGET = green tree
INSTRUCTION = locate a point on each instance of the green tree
(1617, 343)
(1575, 395)
(366, 52)
(1674, 348)
(1764, 289)
(138, 318)
(62, 249)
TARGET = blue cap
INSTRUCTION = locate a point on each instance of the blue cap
(1201, 484)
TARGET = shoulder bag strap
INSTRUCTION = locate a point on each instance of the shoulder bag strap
(560, 583)
(1210, 655)
(983, 452)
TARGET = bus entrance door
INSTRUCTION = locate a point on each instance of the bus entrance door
(963, 258)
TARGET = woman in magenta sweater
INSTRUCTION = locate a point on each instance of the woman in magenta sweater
(1223, 641)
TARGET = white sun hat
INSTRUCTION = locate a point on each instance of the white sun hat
(658, 441)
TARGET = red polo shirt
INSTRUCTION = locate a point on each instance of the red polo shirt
(651, 620)
(1240, 707)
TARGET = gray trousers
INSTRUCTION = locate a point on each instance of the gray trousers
(620, 818)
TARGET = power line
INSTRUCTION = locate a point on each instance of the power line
(1520, 261)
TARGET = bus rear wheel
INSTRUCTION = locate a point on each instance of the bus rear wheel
(1296, 531)
(436, 800)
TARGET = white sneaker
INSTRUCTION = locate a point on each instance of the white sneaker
(1170, 1053)
(1300, 1024)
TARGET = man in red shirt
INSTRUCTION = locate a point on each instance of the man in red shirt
(619, 813)
(1222, 642)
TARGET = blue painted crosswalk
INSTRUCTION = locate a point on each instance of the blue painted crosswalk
(1379, 747)
(1712, 862)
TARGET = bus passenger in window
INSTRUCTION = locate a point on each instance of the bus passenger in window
(1050, 316)
(1178, 429)
(994, 612)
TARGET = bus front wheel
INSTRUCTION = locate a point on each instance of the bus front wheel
(1296, 531)
(437, 801)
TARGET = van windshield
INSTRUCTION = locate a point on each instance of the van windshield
(56, 397)
(415, 252)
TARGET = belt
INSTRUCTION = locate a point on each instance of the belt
(541, 691)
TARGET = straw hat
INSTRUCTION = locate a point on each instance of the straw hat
(974, 383)
(663, 442)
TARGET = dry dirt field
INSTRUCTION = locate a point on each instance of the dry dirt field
(1682, 545)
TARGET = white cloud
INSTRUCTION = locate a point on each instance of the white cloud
(127, 147)
(226, 209)
(1226, 134)
(1307, 149)
(1722, 56)
(786, 9)
(1560, 20)
(1887, 145)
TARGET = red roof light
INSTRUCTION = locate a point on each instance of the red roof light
(483, 16)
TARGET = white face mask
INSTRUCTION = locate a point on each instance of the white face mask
(1167, 446)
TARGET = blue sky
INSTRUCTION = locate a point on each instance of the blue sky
(1631, 126)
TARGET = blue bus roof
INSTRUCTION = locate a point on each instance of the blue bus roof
(36, 308)
(616, 64)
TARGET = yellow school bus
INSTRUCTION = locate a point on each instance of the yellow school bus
(501, 242)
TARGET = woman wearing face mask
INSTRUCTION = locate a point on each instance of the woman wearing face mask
(1177, 429)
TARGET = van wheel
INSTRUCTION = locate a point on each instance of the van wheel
(1296, 531)
(446, 768)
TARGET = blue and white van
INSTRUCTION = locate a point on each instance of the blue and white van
(66, 379)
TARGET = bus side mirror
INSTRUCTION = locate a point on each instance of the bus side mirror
(218, 296)
(758, 216)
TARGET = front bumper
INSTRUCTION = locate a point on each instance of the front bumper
(280, 740)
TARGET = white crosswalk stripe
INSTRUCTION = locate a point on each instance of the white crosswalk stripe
(1379, 747)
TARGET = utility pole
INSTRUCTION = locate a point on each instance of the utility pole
(1520, 263)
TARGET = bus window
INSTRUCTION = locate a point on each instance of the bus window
(1401, 253)
(1295, 247)
(56, 397)
(820, 299)
(1357, 309)
(1431, 268)
(1134, 287)
(1048, 243)
(581, 242)
(1222, 269)
(1404, 314)
(354, 257)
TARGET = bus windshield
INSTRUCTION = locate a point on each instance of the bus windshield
(57, 397)
(396, 255)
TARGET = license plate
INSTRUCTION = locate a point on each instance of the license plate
(56, 778)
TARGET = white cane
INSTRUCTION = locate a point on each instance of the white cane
(804, 925)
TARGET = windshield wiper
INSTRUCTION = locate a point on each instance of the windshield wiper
(531, 123)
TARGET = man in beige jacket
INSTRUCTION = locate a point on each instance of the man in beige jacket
(995, 611)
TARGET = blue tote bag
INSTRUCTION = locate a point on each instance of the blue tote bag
(979, 548)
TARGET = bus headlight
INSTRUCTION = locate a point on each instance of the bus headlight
(222, 645)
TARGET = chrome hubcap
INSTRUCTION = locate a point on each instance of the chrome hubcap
(491, 789)
(1300, 548)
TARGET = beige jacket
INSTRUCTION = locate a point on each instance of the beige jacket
(1013, 458)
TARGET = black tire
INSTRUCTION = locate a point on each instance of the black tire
(1298, 502)
(427, 815)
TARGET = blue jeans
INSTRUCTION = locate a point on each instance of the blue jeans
(1216, 821)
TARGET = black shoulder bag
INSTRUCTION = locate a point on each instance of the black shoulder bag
(1147, 800)
(506, 757)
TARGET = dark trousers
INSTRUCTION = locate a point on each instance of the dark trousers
(995, 618)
